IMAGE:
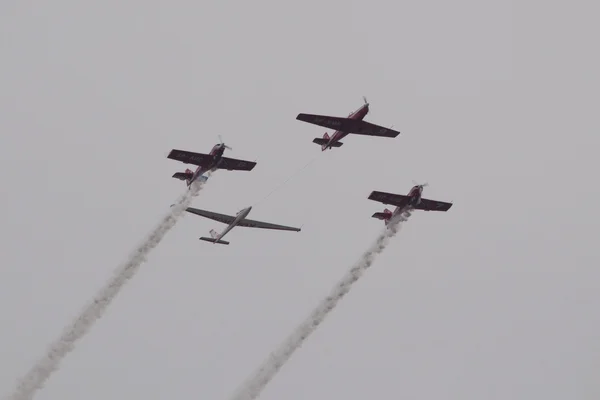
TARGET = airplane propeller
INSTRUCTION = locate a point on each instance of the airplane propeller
(223, 144)
(366, 102)
(421, 184)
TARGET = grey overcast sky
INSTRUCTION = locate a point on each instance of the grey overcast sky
(497, 103)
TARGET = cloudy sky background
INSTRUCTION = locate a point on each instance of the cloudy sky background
(497, 104)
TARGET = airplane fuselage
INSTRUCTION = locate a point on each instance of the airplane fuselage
(339, 135)
(415, 195)
(239, 216)
(216, 153)
(415, 199)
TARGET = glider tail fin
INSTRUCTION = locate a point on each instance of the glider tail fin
(212, 240)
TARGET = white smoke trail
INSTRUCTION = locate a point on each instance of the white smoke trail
(41, 371)
(254, 386)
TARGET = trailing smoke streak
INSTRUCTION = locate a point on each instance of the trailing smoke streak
(41, 371)
(254, 386)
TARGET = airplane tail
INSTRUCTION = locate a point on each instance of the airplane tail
(188, 175)
(385, 215)
(184, 176)
(323, 142)
(213, 238)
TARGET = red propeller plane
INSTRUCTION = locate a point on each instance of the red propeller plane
(352, 124)
(402, 202)
(207, 162)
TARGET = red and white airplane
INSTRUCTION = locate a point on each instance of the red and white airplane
(207, 162)
(352, 124)
(412, 200)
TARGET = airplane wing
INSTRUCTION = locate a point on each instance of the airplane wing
(233, 164)
(348, 125)
(189, 157)
(369, 129)
(337, 123)
(265, 225)
(433, 205)
(397, 200)
(226, 219)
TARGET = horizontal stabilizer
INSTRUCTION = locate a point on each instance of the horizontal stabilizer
(207, 239)
(182, 176)
(322, 142)
(381, 215)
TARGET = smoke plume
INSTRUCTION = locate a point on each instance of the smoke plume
(254, 386)
(49, 363)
